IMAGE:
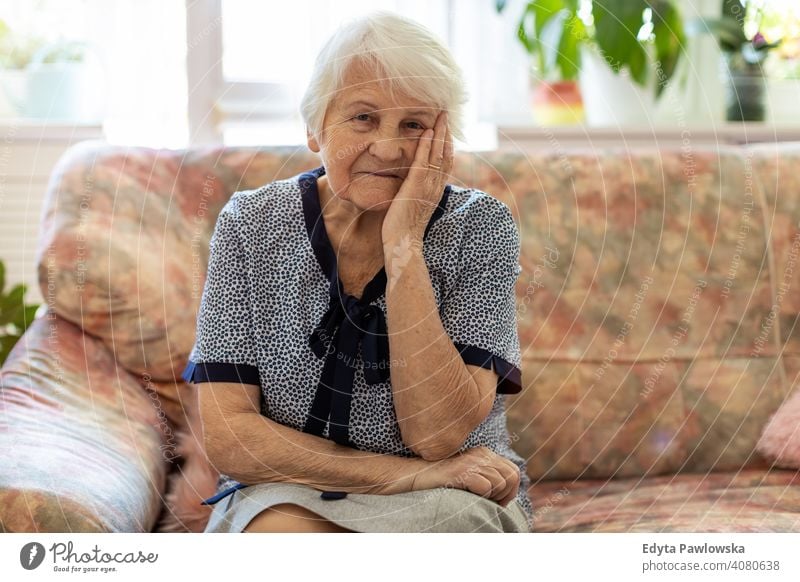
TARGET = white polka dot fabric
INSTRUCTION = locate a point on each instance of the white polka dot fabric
(266, 292)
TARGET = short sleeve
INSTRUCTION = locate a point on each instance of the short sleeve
(224, 350)
(479, 313)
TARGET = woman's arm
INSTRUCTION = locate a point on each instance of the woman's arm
(439, 400)
(242, 443)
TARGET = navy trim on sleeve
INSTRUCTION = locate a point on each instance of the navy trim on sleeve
(509, 380)
(197, 372)
(223, 494)
(328, 495)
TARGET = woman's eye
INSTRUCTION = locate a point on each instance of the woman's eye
(366, 117)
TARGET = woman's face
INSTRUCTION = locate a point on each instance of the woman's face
(364, 131)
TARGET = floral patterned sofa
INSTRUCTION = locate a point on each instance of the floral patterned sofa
(657, 313)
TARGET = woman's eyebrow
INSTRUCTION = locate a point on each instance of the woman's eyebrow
(376, 108)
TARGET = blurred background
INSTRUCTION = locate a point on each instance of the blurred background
(175, 73)
(540, 74)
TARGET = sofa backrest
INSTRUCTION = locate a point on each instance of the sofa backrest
(657, 305)
(125, 238)
(654, 333)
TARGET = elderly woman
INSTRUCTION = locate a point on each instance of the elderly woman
(357, 336)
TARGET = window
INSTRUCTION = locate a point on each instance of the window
(137, 54)
(254, 67)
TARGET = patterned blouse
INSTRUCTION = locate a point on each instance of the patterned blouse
(274, 314)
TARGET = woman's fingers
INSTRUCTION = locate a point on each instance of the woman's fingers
(423, 153)
(479, 483)
(489, 474)
(499, 483)
(508, 480)
(486, 481)
(512, 481)
(437, 147)
(448, 150)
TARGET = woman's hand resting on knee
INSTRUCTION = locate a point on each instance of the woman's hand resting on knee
(479, 470)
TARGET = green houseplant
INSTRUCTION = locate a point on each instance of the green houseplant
(551, 33)
(645, 38)
(15, 315)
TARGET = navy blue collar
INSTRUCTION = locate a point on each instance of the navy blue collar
(347, 322)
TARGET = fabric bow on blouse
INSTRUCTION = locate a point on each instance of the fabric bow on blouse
(348, 322)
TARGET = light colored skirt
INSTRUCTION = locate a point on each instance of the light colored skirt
(442, 510)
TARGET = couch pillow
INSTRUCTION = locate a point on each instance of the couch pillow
(780, 439)
(125, 237)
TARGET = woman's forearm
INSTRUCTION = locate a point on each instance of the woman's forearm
(435, 397)
(259, 450)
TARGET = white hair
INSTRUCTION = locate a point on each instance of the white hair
(402, 52)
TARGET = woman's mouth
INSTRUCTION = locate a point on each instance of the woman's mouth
(381, 175)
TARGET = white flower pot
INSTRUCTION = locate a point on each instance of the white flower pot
(611, 99)
(13, 86)
(62, 91)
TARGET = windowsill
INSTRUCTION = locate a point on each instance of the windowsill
(727, 133)
(26, 128)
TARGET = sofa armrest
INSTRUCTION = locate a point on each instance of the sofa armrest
(81, 440)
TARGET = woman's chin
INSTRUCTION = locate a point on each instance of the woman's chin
(373, 199)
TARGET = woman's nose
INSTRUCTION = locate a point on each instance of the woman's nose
(387, 146)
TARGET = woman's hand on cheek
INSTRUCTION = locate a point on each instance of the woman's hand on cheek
(421, 191)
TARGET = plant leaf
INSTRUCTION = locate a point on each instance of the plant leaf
(734, 10)
(543, 11)
(522, 33)
(7, 343)
(539, 39)
(29, 314)
(669, 40)
(11, 304)
(731, 36)
(617, 24)
(569, 54)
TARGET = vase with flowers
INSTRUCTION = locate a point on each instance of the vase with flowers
(743, 59)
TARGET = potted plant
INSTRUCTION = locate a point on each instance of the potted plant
(50, 80)
(60, 85)
(743, 59)
(16, 51)
(15, 316)
(639, 41)
(551, 33)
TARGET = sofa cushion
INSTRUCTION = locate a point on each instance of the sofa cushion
(124, 241)
(780, 441)
(649, 279)
(88, 445)
(753, 500)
